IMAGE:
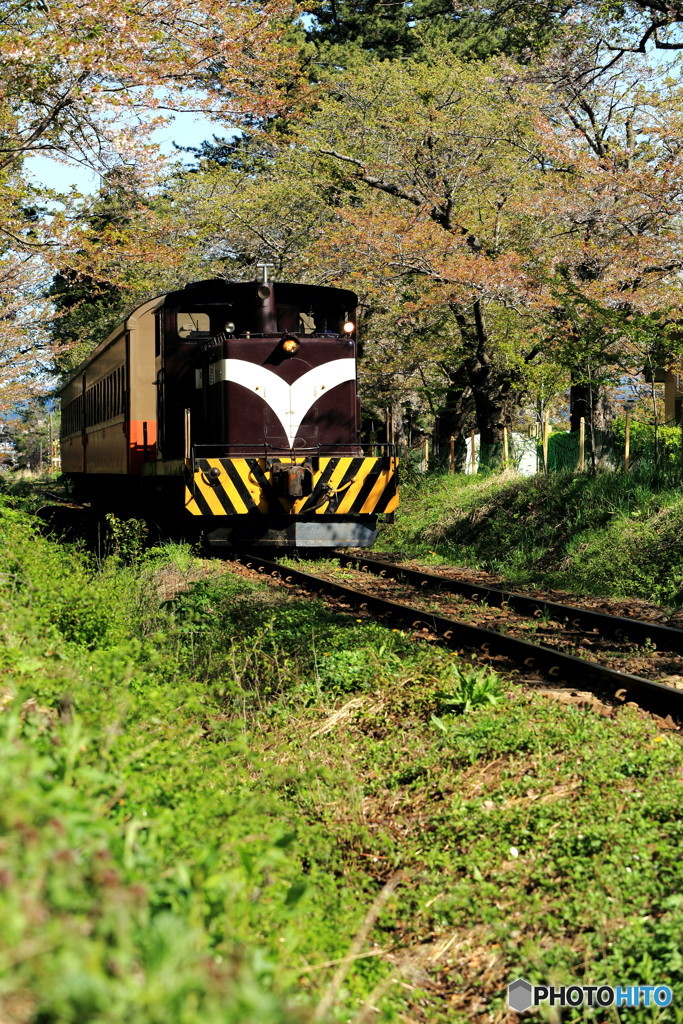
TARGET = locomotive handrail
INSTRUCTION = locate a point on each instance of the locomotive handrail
(307, 448)
(217, 451)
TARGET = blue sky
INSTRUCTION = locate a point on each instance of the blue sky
(186, 129)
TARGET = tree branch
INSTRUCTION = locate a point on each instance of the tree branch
(42, 126)
(24, 242)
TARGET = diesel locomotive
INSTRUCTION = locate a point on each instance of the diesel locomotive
(233, 407)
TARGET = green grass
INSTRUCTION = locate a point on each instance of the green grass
(606, 534)
(202, 799)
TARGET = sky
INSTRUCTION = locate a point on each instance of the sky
(186, 129)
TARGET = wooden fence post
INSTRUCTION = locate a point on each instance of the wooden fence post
(506, 450)
(627, 440)
(582, 444)
(473, 456)
(425, 457)
(545, 444)
(451, 455)
(50, 443)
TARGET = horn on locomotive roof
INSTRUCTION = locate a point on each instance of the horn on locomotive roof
(264, 267)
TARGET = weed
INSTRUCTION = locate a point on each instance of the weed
(125, 538)
(473, 688)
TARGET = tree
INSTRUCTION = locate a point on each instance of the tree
(467, 207)
(88, 305)
(88, 84)
(624, 26)
(404, 28)
(29, 433)
(622, 203)
(436, 159)
(84, 82)
(467, 204)
(606, 346)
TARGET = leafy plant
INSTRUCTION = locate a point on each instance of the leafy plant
(126, 538)
(474, 688)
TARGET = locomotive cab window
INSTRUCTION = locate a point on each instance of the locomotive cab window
(307, 323)
(193, 325)
(327, 320)
(317, 320)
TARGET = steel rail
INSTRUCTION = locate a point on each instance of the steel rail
(636, 630)
(664, 700)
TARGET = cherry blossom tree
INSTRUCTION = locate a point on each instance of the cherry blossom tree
(88, 83)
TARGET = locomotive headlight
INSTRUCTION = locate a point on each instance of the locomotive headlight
(229, 328)
(290, 345)
(349, 327)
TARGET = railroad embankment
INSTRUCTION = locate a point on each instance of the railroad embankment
(611, 533)
(223, 803)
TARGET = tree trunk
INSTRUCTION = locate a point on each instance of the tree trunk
(398, 433)
(493, 391)
(456, 418)
(594, 404)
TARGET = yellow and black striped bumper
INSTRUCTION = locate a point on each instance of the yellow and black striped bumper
(342, 485)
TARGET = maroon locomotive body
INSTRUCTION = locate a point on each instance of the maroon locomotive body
(237, 404)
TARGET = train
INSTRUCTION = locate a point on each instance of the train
(232, 410)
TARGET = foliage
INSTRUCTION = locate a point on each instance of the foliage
(526, 28)
(65, 862)
(473, 688)
(660, 447)
(67, 70)
(87, 309)
(619, 26)
(404, 29)
(563, 451)
(492, 263)
(651, 449)
(454, 234)
(195, 824)
(412, 250)
(89, 85)
(126, 538)
(612, 533)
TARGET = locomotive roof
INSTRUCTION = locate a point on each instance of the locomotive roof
(217, 288)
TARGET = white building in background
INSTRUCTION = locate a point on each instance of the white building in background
(523, 454)
(526, 453)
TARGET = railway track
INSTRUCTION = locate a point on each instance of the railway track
(546, 661)
(619, 626)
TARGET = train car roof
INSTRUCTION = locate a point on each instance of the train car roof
(111, 338)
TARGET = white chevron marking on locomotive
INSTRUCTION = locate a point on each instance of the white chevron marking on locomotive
(289, 402)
